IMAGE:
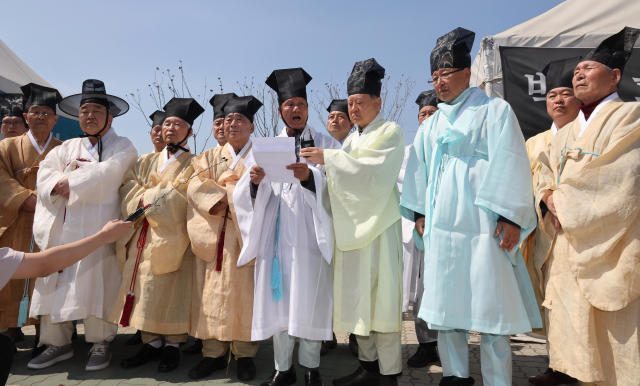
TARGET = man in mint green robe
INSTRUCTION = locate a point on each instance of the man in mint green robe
(367, 276)
(469, 177)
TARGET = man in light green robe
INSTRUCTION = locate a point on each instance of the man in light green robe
(361, 179)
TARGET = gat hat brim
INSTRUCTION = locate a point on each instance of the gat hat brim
(71, 104)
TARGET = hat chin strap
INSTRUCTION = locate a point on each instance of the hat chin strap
(99, 136)
(173, 147)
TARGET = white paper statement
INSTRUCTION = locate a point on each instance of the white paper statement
(273, 155)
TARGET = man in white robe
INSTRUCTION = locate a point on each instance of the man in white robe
(413, 257)
(78, 185)
(290, 233)
(362, 183)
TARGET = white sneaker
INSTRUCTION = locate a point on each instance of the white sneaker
(99, 356)
(51, 356)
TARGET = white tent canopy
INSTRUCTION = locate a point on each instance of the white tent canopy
(15, 73)
(574, 23)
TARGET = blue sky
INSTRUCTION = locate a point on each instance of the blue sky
(122, 42)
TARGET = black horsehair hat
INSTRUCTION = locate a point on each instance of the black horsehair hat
(245, 105)
(366, 78)
(559, 73)
(615, 50)
(93, 91)
(427, 98)
(453, 50)
(218, 101)
(185, 108)
(11, 105)
(339, 105)
(157, 118)
(36, 95)
(289, 83)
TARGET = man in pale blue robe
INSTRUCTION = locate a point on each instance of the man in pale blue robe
(468, 186)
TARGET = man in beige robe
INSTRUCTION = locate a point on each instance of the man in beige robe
(222, 299)
(20, 157)
(155, 257)
(563, 108)
(589, 182)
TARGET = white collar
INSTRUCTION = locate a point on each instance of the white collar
(237, 157)
(35, 143)
(93, 148)
(167, 160)
(554, 129)
(585, 123)
(307, 128)
(368, 127)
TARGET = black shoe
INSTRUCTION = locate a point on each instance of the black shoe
(18, 336)
(136, 339)
(170, 360)
(146, 353)
(207, 366)
(328, 345)
(552, 378)
(353, 344)
(456, 381)
(426, 354)
(312, 378)
(360, 377)
(246, 369)
(74, 336)
(281, 378)
(194, 349)
(37, 350)
(388, 381)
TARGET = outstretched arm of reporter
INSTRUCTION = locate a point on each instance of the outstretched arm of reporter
(45, 263)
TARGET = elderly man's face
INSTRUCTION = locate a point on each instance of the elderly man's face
(218, 131)
(295, 112)
(93, 117)
(12, 127)
(592, 81)
(449, 83)
(363, 109)
(338, 125)
(425, 113)
(562, 105)
(40, 119)
(174, 130)
(156, 136)
(237, 130)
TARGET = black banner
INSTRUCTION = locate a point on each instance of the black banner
(524, 84)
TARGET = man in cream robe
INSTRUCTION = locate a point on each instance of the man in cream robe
(589, 182)
(155, 257)
(19, 160)
(563, 108)
(361, 179)
(469, 178)
(222, 300)
(289, 232)
(78, 184)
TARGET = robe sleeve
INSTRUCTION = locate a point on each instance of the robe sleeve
(82, 181)
(12, 194)
(50, 171)
(361, 188)
(416, 177)
(507, 188)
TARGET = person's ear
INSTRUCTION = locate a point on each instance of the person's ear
(110, 119)
(253, 127)
(616, 76)
(56, 119)
(379, 103)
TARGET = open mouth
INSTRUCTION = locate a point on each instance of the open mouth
(297, 119)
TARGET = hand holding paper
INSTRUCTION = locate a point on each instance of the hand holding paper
(273, 155)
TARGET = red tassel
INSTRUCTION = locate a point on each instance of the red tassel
(221, 242)
(126, 311)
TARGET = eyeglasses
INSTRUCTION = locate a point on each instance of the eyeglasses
(444, 76)
(16, 124)
(40, 113)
